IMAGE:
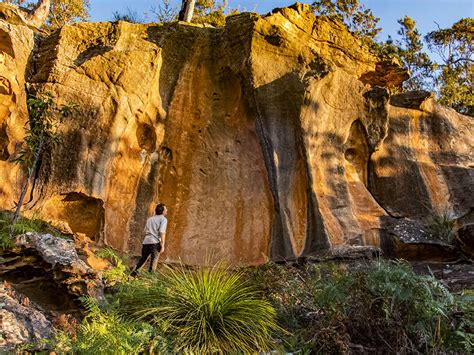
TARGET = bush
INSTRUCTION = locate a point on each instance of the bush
(105, 332)
(442, 225)
(209, 310)
(382, 306)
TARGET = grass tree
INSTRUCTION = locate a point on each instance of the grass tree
(209, 310)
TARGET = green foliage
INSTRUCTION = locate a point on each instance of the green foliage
(356, 17)
(385, 306)
(455, 47)
(209, 12)
(61, 12)
(209, 310)
(64, 12)
(442, 226)
(459, 335)
(22, 226)
(105, 332)
(41, 134)
(410, 50)
(119, 272)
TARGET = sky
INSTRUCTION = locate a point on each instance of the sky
(426, 13)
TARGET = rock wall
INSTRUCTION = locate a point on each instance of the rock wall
(274, 137)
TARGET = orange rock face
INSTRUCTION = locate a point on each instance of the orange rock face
(267, 139)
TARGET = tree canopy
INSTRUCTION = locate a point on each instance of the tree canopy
(454, 46)
(62, 12)
(355, 16)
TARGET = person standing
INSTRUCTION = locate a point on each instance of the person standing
(154, 242)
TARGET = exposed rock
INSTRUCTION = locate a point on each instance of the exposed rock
(16, 44)
(21, 322)
(466, 238)
(410, 240)
(274, 137)
(412, 99)
(48, 270)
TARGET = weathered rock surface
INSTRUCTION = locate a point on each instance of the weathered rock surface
(274, 137)
(21, 322)
(49, 270)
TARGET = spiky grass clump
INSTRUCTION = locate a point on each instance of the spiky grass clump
(442, 225)
(211, 310)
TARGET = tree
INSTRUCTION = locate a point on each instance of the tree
(61, 12)
(454, 46)
(356, 17)
(205, 11)
(208, 11)
(165, 12)
(410, 51)
(65, 12)
(41, 136)
(187, 10)
(31, 14)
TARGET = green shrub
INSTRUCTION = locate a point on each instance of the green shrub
(383, 306)
(458, 334)
(442, 226)
(208, 310)
(119, 272)
(105, 332)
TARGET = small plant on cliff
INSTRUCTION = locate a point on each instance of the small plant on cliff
(23, 225)
(209, 310)
(41, 136)
(442, 226)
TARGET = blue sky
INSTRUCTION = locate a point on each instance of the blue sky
(425, 12)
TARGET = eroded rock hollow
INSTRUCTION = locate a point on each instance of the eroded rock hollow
(274, 137)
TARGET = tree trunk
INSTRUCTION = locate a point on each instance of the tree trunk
(187, 10)
(31, 172)
(37, 17)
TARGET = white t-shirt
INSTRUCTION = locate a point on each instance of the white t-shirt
(155, 226)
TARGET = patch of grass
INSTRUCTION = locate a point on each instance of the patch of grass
(442, 225)
(179, 310)
(212, 310)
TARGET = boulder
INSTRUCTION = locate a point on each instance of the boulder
(49, 271)
(21, 322)
(274, 137)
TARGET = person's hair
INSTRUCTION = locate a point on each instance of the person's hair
(160, 208)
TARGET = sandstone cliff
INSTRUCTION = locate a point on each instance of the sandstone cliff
(274, 137)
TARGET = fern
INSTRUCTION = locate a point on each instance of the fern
(118, 272)
(106, 332)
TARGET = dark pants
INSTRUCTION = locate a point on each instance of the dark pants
(152, 250)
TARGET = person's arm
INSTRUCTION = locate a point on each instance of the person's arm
(163, 235)
(162, 232)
